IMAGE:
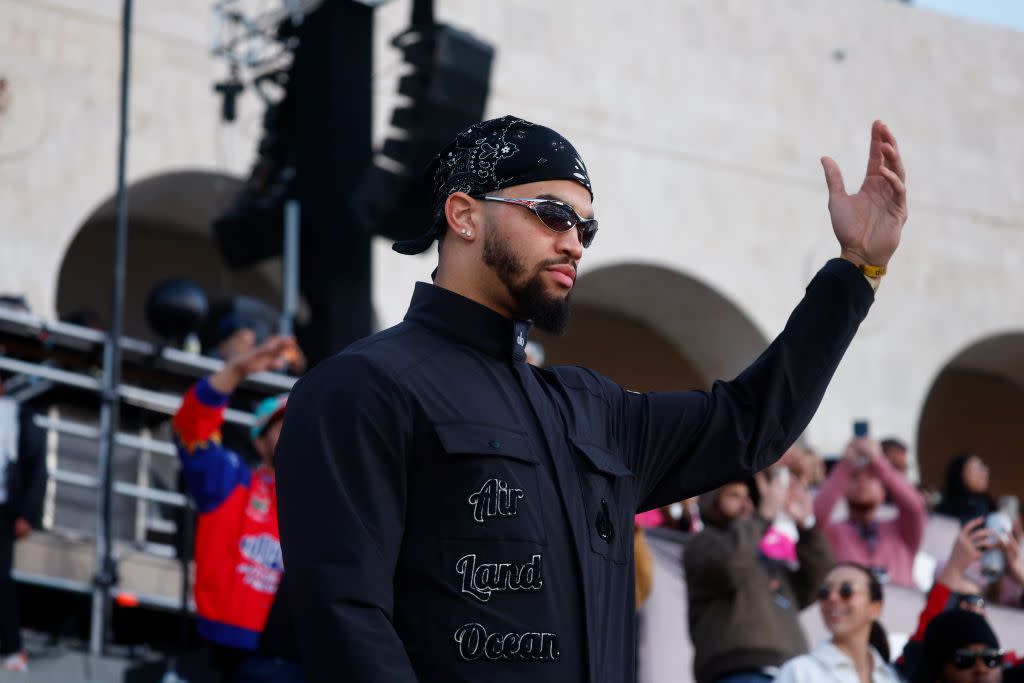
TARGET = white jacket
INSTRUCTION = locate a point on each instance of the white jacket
(828, 664)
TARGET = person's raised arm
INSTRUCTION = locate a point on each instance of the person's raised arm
(211, 471)
(341, 483)
(812, 549)
(833, 487)
(681, 443)
(904, 496)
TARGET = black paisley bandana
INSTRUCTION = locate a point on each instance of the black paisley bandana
(493, 155)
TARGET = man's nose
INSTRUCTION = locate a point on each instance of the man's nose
(569, 244)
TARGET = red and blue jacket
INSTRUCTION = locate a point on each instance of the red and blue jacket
(238, 547)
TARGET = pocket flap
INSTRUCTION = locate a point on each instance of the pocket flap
(468, 438)
(603, 460)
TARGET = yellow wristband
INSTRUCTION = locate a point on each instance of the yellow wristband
(872, 271)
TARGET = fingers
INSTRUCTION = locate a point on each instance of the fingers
(833, 177)
(886, 134)
(875, 150)
(972, 525)
(980, 538)
(278, 343)
(895, 182)
(893, 160)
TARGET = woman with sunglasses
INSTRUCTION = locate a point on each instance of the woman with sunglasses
(858, 652)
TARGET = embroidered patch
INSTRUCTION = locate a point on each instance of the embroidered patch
(262, 570)
(495, 499)
(474, 642)
(480, 579)
(259, 506)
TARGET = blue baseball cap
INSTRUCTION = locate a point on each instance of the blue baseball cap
(268, 410)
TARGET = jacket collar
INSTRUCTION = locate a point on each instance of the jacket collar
(467, 322)
(833, 658)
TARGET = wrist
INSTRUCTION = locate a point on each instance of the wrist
(872, 271)
(227, 379)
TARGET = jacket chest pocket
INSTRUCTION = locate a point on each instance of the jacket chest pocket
(607, 487)
(490, 484)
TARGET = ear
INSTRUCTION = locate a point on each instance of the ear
(462, 214)
(876, 610)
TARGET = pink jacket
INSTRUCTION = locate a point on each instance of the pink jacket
(898, 539)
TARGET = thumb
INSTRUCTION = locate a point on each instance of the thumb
(833, 177)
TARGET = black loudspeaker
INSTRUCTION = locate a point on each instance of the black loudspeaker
(252, 228)
(193, 667)
(447, 91)
(175, 308)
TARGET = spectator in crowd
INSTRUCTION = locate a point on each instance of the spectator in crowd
(22, 485)
(895, 451)
(851, 602)
(683, 516)
(743, 607)
(887, 547)
(965, 494)
(960, 647)
(954, 590)
(238, 552)
(805, 464)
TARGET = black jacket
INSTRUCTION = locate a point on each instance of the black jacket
(454, 514)
(26, 477)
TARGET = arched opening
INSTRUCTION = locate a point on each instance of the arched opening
(976, 404)
(650, 328)
(168, 236)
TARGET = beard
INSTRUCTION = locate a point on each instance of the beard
(548, 313)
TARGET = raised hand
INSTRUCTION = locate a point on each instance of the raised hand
(862, 452)
(1010, 547)
(868, 224)
(970, 544)
(273, 354)
(799, 504)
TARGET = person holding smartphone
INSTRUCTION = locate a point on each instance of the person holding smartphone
(866, 478)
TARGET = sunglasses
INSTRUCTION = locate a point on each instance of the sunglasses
(845, 590)
(555, 215)
(965, 659)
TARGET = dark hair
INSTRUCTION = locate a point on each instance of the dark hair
(878, 638)
(957, 501)
(891, 443)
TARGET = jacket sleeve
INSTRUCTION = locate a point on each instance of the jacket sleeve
(31, 468)
(815, 557)
(210, 470)
(715, 560)
(679, 444)
(341, 483)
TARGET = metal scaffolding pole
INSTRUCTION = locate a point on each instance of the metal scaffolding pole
(106, 571)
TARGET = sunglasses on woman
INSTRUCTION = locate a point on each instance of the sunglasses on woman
(965, 659)
(845, 590)
(555, 215)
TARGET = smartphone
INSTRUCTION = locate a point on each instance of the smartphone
(860, 430)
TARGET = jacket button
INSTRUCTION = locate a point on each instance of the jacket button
(496, 445)
(604, 526)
